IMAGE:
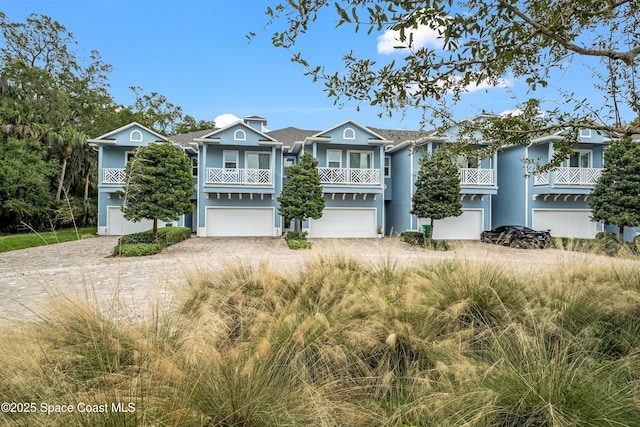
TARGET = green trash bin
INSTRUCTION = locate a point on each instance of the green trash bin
(426, 228)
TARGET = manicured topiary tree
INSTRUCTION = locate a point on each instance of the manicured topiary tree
(159, 185)
(301, 196)
(616, 196)
(437, 194)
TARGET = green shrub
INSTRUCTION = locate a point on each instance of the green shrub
(419, 239)
(413, 237)
(299, 244)
(140, 244)
(295, 236)
(604, 244)
(606, 235)
(137, 249)
(166, 236)
(294, 241)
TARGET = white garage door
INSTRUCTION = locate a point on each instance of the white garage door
(117, 225)
(565, 222)
(467, 226)
(339, 222)
(240, 221)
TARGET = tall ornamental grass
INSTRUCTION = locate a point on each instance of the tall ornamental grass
(343, 342)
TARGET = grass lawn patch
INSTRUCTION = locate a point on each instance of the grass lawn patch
(33, 239)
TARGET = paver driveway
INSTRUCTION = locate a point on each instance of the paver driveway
(83, 270)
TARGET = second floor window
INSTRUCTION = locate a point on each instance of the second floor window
(230, 159)
(579, 159)
(288, 162)
(258, 161)
(334, 158)
(360, 160)
(387, 167)
(129, 155)
(194, 166)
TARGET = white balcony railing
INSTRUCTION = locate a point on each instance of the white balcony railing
(113, 176)
(578, 177)
(222, 176)
(475, 176)
(349, 176)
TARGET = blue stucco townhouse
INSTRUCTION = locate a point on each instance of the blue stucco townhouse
(556, 200)
(351, 165)
(368, 178)
(115, 149)
(478, 183)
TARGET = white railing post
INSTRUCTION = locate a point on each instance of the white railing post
(113, 176)
(476, 176)
(238, 176)
(349, 176)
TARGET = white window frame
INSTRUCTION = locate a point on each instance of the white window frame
(351, 137)
(137, 139)
(567, 163)
(131, 153)
(246, 158)
(339, 158)
(238, 132)
(224, 158)
(193, 161)
(286, 166)
(387, 166)
(585, 133)
(370, 153)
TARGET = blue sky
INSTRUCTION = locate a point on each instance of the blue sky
(196, 54)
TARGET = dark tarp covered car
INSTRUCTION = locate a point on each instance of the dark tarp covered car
(517, 236)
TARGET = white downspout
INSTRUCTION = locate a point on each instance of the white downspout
(526, 188)
(410, 188)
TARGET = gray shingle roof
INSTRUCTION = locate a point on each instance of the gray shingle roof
(289, 135)
(185, 138)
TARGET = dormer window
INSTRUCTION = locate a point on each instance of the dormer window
(135, 136)
(239, 135)
(585, 133)
(349, 133)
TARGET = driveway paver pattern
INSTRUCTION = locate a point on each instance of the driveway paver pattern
(85, 271)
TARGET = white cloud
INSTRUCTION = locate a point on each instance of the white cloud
(502, 82)
(225, 120)
(423, 36)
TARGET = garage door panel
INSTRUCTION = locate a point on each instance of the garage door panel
(240, 222)
(467, 226)
(565, 222)
(345, 223)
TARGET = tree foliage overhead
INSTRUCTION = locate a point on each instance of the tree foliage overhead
(301, 196)
(615, 198)
(437, 193)
(53, 97)
(159, 185)
(480, 43)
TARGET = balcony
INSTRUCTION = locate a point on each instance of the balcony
(569, 177)
(349, 176)
(222, 176)
(113, 176)
(476, 177)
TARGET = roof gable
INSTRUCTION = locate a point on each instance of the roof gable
(352, 132)
(133, 134)
(238, 133)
